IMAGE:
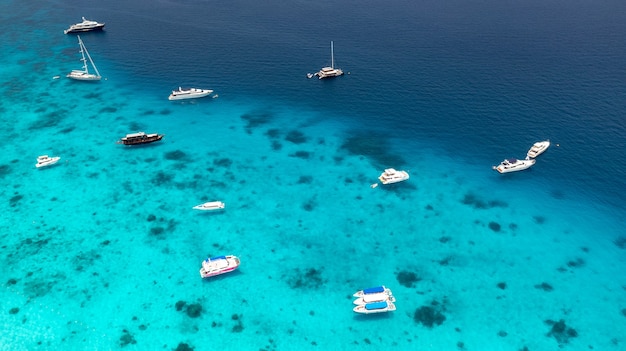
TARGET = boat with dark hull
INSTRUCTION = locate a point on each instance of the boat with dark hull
(140, 138)
(84, 26)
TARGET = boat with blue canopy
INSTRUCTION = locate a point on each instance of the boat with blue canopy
(373, 290)
(375, 307)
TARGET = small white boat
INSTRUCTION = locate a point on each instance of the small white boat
(375, 307)
(209, 206)
(390, 176)
(189, 93)
(373, 290)
(219, 265)
(45, 161)
(538, 148)
(84, 26)
(84, 73)
(328, 72)
(513, 165)
(376, 297)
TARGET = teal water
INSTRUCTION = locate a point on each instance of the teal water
(102, 251)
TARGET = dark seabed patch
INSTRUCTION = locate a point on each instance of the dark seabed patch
(127, 339)
(475, 201)
(430, 315)
(184, 347)
(620, 242)
(407, 279)
(495, 226)
(5, 170)
(374, 147)
(301, 154)
(560, 331)
(175, 155)
(256, 119)
(309, 278)
(544, 286)
(49, 120)
(296, 137)
(108, 109)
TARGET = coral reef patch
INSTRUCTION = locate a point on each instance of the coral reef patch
(560, 331)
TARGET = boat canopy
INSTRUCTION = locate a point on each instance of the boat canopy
(216, 258)
(376, 305)
(376, 289)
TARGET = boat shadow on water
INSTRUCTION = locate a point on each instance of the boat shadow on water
(373, 316)
(229, 275)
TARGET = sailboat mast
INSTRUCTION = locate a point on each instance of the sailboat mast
(82, 53)
(332, 55)
(83, 48)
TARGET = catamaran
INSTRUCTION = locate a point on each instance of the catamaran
(327, 72)
(84, 73)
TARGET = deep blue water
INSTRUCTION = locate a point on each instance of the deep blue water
(479, 78)
(445, 89)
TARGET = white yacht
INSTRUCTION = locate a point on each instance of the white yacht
(84, 26)
(513, 165)
(84, 74)
(390, 176)
(45, 160)
(209, 206)
(189, 93)
(538, 148)
(327, 72)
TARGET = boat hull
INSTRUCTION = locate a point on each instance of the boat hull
(193, 94)
(49, 162)
(142, 140)
(210, 206)
(377, 307)
(84, 77)
(371, 298)
(96, 28)
(515, 167)
(538, 149)
(391, 176)
(212, 267)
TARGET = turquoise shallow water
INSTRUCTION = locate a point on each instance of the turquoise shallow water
(102, 251)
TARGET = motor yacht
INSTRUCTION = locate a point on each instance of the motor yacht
(219, 265)
(84, 26)
(538, 148)
(391, 175)
(45, 161)
(189, 93)
(513, 165)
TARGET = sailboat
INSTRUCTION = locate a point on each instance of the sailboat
(327, 72)
(84, 73)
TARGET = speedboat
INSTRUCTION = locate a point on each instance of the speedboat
(375, 307)
(219, 265)
(189, 93)
(376, 297)
(140, 138)
(84, 26)
(390, 176)
(208, 206)
(374, 290)
(538, 148)
(45, 160)
(513, 165)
